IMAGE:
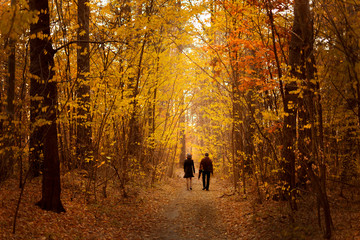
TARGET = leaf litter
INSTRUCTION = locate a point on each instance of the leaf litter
(166, 211)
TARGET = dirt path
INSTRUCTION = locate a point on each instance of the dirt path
(189, 214)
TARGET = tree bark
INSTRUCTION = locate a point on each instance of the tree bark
(310, 146)
(43, 92)
(83, 140)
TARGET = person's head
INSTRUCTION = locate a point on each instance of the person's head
(206, 154)
(188, 155)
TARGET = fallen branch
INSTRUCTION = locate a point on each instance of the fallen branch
(227, 194)
(344, 183)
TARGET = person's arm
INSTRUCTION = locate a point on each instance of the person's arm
(193, 166)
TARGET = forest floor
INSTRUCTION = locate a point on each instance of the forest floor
(167, 211)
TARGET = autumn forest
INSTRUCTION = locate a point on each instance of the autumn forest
(102, 100)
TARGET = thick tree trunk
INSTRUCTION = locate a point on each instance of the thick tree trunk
(43, 92)
(292, 103)
(11, 108)
(310, 146)
(289, 126)
(83, 140)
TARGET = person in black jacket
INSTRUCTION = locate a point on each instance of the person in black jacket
(207, 167)
(189, 169)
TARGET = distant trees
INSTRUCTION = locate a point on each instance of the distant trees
(339, 54)
(7, 141)
(134, 87)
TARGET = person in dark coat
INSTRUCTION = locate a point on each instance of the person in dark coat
(207, 167)
(189, 169)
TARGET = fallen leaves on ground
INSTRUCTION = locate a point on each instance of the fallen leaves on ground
(168, 211)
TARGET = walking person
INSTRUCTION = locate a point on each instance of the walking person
(207, 167)
(189, 169)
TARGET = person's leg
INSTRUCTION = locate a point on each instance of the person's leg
(208, 181)
(187, 183)
(203, 178)
(190, 184)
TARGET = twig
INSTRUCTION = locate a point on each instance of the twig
(19, 200)
(80, 41)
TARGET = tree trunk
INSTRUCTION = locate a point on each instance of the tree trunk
(43, 92)
(310, 146)
(290, 108)
(6, 158)
(182, 154)
(237, 137)
(83, 140)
